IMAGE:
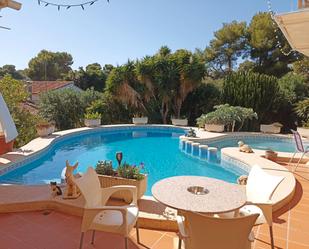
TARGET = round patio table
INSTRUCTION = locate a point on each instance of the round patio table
(199, 194)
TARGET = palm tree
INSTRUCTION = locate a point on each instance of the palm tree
(122, 83)
(191, 72)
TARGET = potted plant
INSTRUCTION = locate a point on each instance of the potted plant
(139, 119)
(211, 122)
(45, 128)
(271, 128)
(271, 155)
(92, 119)
(183, 121)
(302, 111)
(125, 174)
(226, 115)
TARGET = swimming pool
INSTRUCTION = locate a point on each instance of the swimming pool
(261, 142)
(157, 148)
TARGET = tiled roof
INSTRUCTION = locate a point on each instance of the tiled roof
(44, 86)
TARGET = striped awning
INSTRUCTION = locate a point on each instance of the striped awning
(295, 27)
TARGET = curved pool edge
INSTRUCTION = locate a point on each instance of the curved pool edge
(38, 146)
(285, 190)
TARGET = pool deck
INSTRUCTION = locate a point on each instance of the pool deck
(49, 217)
(53, 229)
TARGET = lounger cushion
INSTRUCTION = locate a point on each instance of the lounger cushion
(261, 185)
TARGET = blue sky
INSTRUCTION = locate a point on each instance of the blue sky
(112, 33)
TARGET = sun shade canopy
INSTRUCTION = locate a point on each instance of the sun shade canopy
(7, 126)
(295, 27)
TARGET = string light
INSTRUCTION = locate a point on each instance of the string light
(279, 45)
(67, 6)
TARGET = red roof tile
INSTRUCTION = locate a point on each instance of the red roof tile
(44, 86)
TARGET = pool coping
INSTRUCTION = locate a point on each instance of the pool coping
(38, 146)
(232, 156)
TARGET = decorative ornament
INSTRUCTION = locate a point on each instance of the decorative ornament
(67, 6)
(279, 45)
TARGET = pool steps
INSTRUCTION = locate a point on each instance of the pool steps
(198, 150)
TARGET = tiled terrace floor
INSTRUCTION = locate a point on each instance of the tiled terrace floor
(34, 230)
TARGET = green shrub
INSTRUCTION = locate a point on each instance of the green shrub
(105, 168)
(227, 115)
(14, 93)
(128, 171)
(252, 90)
(93, 115)
(66, 107)
(302, 111)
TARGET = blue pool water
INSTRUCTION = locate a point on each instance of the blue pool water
(158, 149)
(260, 142)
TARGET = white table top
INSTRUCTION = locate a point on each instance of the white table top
(220, 196)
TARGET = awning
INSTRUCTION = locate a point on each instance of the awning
(295, 27)
(7, 126)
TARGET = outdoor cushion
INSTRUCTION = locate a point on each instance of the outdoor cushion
(261, 185)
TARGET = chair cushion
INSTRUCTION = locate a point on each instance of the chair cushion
(253, 209)
(114, 217)
(261, 185)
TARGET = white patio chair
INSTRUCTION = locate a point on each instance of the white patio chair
(260, 189)
(299, 148)
(99, 217)
(201, 231)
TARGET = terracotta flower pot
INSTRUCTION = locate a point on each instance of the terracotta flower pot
(43, 130)
(5, 147)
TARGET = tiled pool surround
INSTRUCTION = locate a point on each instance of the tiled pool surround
(41, 146)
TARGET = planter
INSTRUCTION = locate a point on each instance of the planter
(304, 132)
(45, 130)
(92, 122)
(271, 155)
(180, 121)
(5, 147)
(140, 121)
(270, 128)
(109, 181)
(214, 127)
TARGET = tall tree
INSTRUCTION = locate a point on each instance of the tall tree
(252, 90)
(49, 65)
(14, 93)
(11, 70)
(122, 83)
(264, 50)
(93, 76)
(224, 50)
(191, 72)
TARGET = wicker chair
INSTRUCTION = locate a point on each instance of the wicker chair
(99, 217)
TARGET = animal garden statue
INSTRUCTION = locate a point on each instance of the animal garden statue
(71, 190)
(244, 147)
(56, 190)
(242, 180)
